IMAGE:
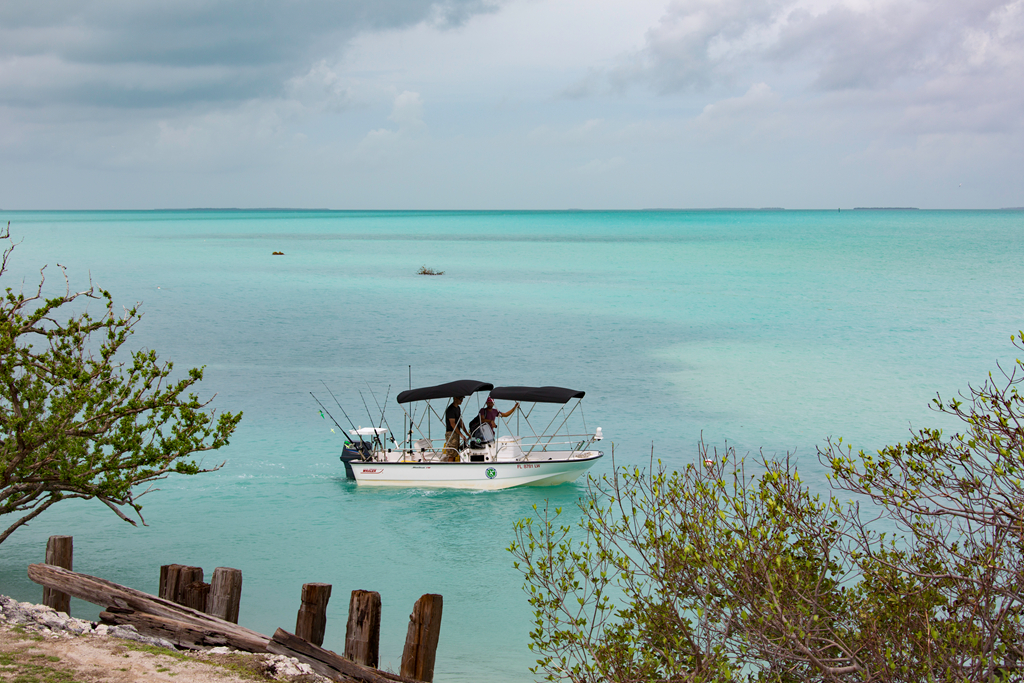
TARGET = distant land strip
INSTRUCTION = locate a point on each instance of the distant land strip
(886, 208)
(716, 208)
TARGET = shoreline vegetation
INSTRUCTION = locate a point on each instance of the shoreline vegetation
(104, 420)
(738, 569)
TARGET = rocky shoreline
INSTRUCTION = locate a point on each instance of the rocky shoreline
(59, 637)
(49, 623)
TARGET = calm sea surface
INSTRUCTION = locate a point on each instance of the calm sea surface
(768, 330)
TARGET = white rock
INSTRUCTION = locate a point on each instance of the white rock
(52, 620)
(79, 626)
(282, 667)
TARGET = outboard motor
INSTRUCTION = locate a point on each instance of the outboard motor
(355, 451)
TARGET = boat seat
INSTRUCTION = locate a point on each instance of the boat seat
(507, 448)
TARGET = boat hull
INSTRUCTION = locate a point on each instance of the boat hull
(472, 475)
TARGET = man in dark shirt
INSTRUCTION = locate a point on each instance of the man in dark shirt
(453, 430)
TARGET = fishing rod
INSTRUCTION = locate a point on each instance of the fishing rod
(374, 396)
(342, 409)
(410, 413)
(383, 418)
(375, 434)
(328, 412)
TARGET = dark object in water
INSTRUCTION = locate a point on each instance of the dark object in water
(429, 271)
(278, 253)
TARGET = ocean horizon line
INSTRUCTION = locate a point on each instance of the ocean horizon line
(233, 209)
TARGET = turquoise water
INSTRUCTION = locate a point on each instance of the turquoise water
(769, 330)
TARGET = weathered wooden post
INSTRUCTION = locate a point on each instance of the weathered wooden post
(421, 639)
(362, 636)
(312, 619)
(59, 552)
(225, 594)
(168, 573)
(175, 583)
(194, 595)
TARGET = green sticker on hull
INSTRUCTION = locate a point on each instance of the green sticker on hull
(491, 473)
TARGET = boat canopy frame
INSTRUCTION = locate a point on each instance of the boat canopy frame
(533, 395)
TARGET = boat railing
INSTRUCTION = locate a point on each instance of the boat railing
(433, 449)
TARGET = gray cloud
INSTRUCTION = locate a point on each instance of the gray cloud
(699, 42)
(843, 46)
(121, 53)
(900, 41)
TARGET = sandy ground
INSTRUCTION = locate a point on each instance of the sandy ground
(27, 657)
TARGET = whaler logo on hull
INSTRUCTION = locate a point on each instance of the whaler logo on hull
(491, 473)
(372, 471)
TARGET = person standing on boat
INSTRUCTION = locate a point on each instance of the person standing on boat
(489, 419)
(453, 430)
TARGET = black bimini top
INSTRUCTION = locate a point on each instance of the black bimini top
(462, 387)
(536, 394)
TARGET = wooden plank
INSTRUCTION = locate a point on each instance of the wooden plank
(327, 663)
(421, 639)
(178, 632)
(225, 594)
(59, 552)
(362, 635)
(109, 594)
(311, 622)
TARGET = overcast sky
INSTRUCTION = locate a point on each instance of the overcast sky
(511, 104)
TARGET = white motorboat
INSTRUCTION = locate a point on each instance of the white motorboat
(519, 457)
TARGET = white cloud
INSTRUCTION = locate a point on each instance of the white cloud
(408, 111)
(839, 44)
(321, 89)
(698, 42)
(758, 98)
(384, 143)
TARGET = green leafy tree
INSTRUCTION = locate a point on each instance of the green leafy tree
(735, 570)
(959, 504)
(81, 418)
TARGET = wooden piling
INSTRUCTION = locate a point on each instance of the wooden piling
(225, 594)
(163, 589)
(195, 595)
(327, 663)
(175, 582)
(59, 552)
(312, 618)
(362, 635)
(421, 639)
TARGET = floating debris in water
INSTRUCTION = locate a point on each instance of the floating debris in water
(278, 253)
(429, 271)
